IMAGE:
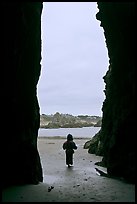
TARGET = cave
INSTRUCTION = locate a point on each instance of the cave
(21, 54)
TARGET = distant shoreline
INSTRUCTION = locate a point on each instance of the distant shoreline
(61, 137)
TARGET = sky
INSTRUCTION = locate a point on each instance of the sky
(74, 59)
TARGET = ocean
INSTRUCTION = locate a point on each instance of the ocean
(82, 133)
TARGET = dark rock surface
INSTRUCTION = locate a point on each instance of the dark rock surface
(118, 122)
(22, 55)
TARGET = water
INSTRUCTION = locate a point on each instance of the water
(85, 132)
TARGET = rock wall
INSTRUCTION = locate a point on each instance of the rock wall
(118, 122)
(21, 56)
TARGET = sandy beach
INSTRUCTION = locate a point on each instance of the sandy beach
(79, 183)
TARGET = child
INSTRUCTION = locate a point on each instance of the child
(69, 146)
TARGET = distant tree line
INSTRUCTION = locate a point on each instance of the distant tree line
(59, 120)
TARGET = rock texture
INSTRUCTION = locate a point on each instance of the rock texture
(118, 122)
(22, 55)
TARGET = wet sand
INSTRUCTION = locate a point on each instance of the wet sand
(80, 183)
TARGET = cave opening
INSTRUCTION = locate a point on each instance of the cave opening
(74, 59)
(22, 37)
(69, 56)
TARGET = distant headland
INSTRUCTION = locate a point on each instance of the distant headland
(59, 120)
